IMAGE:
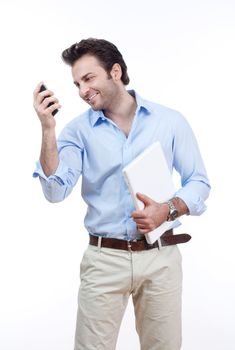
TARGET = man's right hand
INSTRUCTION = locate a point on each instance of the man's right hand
(41, 101)
(49, 157)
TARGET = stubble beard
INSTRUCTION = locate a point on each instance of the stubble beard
(109, 96)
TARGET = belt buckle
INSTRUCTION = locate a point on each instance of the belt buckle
(129, 245)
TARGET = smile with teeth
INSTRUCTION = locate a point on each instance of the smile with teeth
(91, 98)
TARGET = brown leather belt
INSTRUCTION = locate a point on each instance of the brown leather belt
(137, 245)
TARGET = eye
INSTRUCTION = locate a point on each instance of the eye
(89, 78)
(77, 85)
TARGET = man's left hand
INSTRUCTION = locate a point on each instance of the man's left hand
(152, 216)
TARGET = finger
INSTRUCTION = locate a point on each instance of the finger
(42, 102)
(43, 95)
(53, 107)
(141, 221)
(144, 231)
(146, 224)
(142, 227)
(138, 214)
(37, 89)
(47, 100)
(36, 92)
(145, 199)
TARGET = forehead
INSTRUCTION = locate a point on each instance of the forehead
(84, 65)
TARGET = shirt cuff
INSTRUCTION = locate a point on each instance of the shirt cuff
(59, 175)
(194, 202)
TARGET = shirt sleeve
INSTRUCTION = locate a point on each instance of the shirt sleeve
(188, 163)
(59, 185)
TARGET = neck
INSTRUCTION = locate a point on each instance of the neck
(123, 107)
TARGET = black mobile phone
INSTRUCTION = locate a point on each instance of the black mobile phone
(43, 88)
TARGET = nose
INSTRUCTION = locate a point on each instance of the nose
(83, 90)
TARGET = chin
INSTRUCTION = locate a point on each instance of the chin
(96, 108)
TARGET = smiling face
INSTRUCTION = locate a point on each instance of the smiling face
(97, 87)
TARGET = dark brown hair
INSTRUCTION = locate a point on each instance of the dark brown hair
(106, 52)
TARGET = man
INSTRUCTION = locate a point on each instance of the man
(97, 145)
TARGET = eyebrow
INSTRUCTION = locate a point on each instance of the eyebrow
(83, 78)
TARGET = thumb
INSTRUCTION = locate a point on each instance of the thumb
(145, 199)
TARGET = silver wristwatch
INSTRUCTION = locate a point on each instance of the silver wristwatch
(173, 212)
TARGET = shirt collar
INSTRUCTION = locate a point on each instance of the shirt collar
(97, 117)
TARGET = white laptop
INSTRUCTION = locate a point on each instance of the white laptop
(149, 174)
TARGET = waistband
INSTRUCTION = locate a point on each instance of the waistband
(168, 238)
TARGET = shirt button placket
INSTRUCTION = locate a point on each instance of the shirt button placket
(127, 158)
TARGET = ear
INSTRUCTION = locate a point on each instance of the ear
(116, 72)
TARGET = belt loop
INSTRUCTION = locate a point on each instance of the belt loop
(99, 243)
(159, 243)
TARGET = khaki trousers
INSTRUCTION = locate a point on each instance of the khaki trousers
(109, 277)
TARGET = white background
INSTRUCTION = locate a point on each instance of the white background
(180, 54)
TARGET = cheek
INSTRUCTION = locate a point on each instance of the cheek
(95, 86)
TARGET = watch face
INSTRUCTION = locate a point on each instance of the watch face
(174, 214)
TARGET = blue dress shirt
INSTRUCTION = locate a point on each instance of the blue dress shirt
(93, 146)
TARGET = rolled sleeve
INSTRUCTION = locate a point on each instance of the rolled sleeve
(59, 176)
(194, 196)
(189, 164)
(59, 185)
